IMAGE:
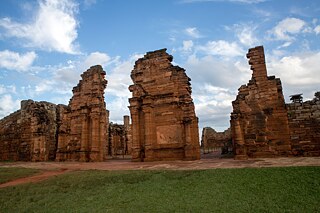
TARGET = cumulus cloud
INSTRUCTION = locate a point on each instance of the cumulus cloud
(97, 58)
(187, 46)
(222, 48)
(287, 28)
(53, 27)
(117, 92)
(213, 106)
(245, 34)
(215, 86)
(299, 73)
(16, 61)
(8, 105)
(192, 32)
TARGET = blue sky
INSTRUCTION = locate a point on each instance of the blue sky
(46, 44)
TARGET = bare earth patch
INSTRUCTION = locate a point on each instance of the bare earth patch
(51, 169)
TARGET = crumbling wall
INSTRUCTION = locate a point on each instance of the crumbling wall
(83, 124)
(212, 140)
(29, 134)
(304, 124)
(259, 120)
(164, 124)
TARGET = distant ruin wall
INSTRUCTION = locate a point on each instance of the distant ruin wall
(29, 134)
(263, 125)
(212, 140)
(119, 138)
(164, 124)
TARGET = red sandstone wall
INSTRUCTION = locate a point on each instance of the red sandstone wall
(259, 120)
(84, 123)
(30, 133)
(304, 124)
(164, 124)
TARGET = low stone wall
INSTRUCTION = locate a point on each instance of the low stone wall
(304, 125)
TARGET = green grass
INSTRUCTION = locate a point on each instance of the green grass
(7, 174)
(293, 189)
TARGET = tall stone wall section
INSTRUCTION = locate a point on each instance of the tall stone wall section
(304, 124)
(164, 124)
(259, 120)
(212, 140)
(29, 134)
(84, 122)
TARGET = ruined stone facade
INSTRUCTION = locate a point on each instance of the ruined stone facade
(119, 138)
(83, 123)
(304, 125)
(263, 125)
(164, 124)
(29, 134)
(212, 140)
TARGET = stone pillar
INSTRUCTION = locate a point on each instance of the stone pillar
(150, 133)
(136, 146)
(84, 138)
(95, 137)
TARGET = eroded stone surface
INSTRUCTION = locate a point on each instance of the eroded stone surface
(164, 124)
(259, 120)
(83, 123)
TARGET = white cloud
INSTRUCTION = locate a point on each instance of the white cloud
(245, 33)
(286, 28)
(192, 32)
(223, 48)
(16, 61)
(53, 27)
(8, 105)
(299, 73)
(97, 58)
(285, 44)
(187, 46)
(317, 29)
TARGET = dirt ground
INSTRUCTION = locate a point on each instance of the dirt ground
(49, 169)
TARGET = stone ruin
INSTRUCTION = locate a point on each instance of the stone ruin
(119, 143)
(164, 124)
(42, 131)
(212, 140)
(29, 134)
(83, 124)
(264, 126)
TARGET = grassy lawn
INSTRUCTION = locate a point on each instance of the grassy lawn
(7, 174)
(294, 189)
